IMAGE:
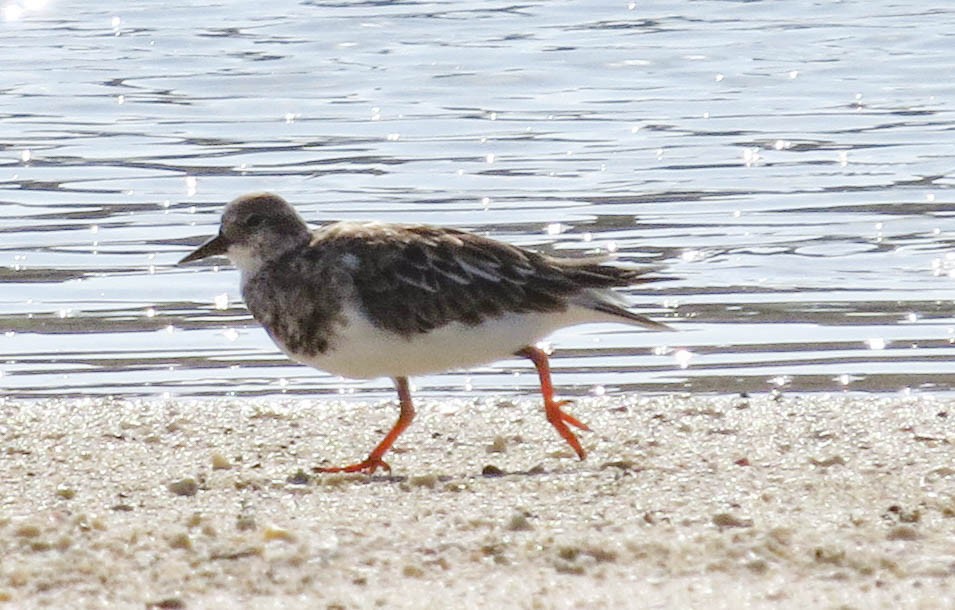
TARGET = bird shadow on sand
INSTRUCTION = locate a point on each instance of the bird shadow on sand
(432, 480)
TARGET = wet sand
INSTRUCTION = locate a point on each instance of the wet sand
(821, 501)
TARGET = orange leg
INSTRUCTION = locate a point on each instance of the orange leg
(374, 460)
(555, 416)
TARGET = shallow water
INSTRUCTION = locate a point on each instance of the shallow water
(788, 165)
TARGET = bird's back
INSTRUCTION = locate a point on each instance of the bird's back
(414, 278)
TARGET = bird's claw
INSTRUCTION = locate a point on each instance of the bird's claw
(559, 420)
(553, 410)
(367, 466)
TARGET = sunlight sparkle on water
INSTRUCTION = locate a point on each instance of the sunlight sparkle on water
(691, 256)
(13, 11)
(683, 357)
(781, 380)
(944, 265)
(751, 157)
(876, 343)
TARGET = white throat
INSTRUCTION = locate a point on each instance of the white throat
(245, 260)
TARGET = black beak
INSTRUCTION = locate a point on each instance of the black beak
(216, 246)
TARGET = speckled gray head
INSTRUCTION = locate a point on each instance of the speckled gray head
(255, 229)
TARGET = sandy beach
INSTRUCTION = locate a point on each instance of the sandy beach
(813, 501)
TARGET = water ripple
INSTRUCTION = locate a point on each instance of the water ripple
(791, 173)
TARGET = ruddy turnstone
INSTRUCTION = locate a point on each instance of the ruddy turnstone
(367, 299)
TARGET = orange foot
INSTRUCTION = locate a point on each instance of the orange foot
(373, 462)
(559, 420)
(366, 466)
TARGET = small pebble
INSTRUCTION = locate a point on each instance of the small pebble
(565, 567)
(412, 571)
(181, 541)
(274, 532)
(620, 464)
(244, 523)
(902, 532)
(299, 478)
(27, 530)
(537, 469)
(568, 553)
(519, 523)
(67, 493)
(220, 462)
(836, 460)
(491, 471)
(170, 603)
(184, 487)
(498, 446)
(728, 520)
(904, 516)
(423, 480)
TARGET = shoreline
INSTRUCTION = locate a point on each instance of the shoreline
(684, 501)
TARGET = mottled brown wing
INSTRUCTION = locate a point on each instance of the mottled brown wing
(412, 279)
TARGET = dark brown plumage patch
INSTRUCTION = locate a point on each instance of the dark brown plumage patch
(298, 299)
(412, 279)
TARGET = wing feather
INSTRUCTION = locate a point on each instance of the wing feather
(411, 279)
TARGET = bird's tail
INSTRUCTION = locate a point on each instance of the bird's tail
(600, 302)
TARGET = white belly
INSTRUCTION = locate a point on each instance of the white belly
(363, 351)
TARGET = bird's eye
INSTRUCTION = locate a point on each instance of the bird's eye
(253, 220)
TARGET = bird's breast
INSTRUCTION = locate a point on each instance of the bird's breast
(302, 315)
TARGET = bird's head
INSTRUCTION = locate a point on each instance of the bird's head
(256, 228)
